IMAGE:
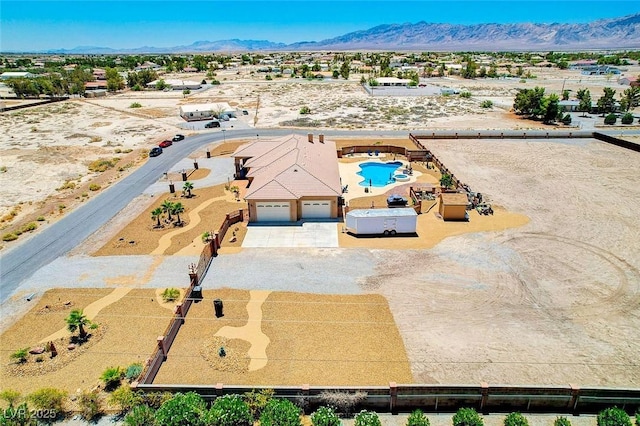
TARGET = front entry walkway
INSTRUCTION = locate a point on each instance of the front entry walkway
(308, 234)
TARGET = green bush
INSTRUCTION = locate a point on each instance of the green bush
(111, 377)
(133, 371)
(486, 104)
(135, 105)
(89, 404)
(280, 412)
(40, 219)
(102, 164)
(515, 419)
(467, 417)
(230, 410)
(325, 416)
(18, 416)
(10, 396)
(215, 82)
(367, 418)
(124, 398)
(140, 415)
(9, 237)
(465, 94)
(613, 416)
(305, 110)
(566, 119)
(417, 418)
(155, 399)
(610, 119)
(48, 399)
(562, 421)
(268, 77)
(627, 118)
(183, 409)
(31, 226)
(257, 400)
(20, 355)
(170, 294)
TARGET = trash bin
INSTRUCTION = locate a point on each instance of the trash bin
(217, 305)
(196, 293)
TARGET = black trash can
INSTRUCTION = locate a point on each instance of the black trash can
(196, 293)
(217, 305)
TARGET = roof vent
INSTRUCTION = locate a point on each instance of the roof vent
(310, 137)
(321, 138)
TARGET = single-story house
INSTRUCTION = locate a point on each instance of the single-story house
(393, 81)
(290, 178)
(178, 84)
(147, 66)
(16, 74)
(99, 74)
(196, 112)
(95, 85)
(453, 205)
(628, 81)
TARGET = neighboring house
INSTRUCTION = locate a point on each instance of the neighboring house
(196, 112)
(16, 74)
(147, 66)
(453, 205)
(600, 70)
(99, 74)
(628, 81)
(290, 178)
(95, 85)
(393, 81)
(178, 84)
(190, 69)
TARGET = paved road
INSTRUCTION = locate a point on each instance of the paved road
(21, 261)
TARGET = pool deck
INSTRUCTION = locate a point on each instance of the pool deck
(349, 177)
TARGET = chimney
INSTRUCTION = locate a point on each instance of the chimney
(321, 138)
(310, 137)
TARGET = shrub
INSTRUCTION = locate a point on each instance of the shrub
(305, 110)
(325, 416)
(367, 418)
(486, 104)
(66, 185)
(155, 399)
(627, 118)
(613, 416)
(466, 95)
(268, 77)
(124, 398)
(9, 237)
(230, 410)
(342, 402)
(31, 226)
(102, 164)
(610, 119)
(515, 419)
(133, 371)
(215, 82)
(111, 377)
(135, 105)
(170, 294)
(10, 396)
(566, 119)
(89, 404)
(417, 418)
(20, 415)
(561, 421)
(467, 417)
(140, 415)
(40, 219)
(48, 399)
(183, 409)
(20, 355)
(280, 412)
(256, 401)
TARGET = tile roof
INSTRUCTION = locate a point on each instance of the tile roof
(291, 167)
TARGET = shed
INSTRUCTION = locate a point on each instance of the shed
(453, 206)
(388, 221)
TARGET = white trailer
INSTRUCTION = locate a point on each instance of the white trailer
(382, 221)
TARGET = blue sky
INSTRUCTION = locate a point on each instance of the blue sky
(29, 25)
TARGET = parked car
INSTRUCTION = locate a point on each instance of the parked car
(165, 144)
(245, 112)
(155, 151)
(212, 124)
(396, 200)
(177, 138)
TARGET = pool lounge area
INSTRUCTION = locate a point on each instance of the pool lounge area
(378, 174)
(358, 186)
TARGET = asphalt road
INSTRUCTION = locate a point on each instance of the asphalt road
(20, 262)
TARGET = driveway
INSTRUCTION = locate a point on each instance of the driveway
(308, 234)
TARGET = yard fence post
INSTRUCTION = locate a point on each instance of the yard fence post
(575, 396)
(163, 350)
(219, 389)
(393, 396)
(484, 390)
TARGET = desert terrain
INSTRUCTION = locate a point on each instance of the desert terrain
(551, 297)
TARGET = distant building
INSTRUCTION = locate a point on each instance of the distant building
(147, 66)
(178, 84)
(393, 81)
(628, 81)
(600, 70)
(16, 74)
(197, 112)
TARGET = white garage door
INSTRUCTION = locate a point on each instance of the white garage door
(273, 212)
(316, 209)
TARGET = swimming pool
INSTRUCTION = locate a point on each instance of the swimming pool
(378, 174)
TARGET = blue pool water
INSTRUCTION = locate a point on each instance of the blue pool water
(378, 174)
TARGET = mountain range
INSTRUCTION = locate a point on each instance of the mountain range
(615, 33)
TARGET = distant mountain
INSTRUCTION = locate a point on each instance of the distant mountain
(603, 34)
(617, 33)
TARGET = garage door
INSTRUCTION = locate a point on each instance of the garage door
(316, 209)
(273, 212)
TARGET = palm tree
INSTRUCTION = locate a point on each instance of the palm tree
(188, 186)
(76, 321)
(177, 209)
(166, 207)
(156, 214)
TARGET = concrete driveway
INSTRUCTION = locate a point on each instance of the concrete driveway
(307, 234)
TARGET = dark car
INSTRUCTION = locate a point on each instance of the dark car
(165, 144)
(245, 112)
(212, 124)
(177, 138)
(395, 200)
(155, 151)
